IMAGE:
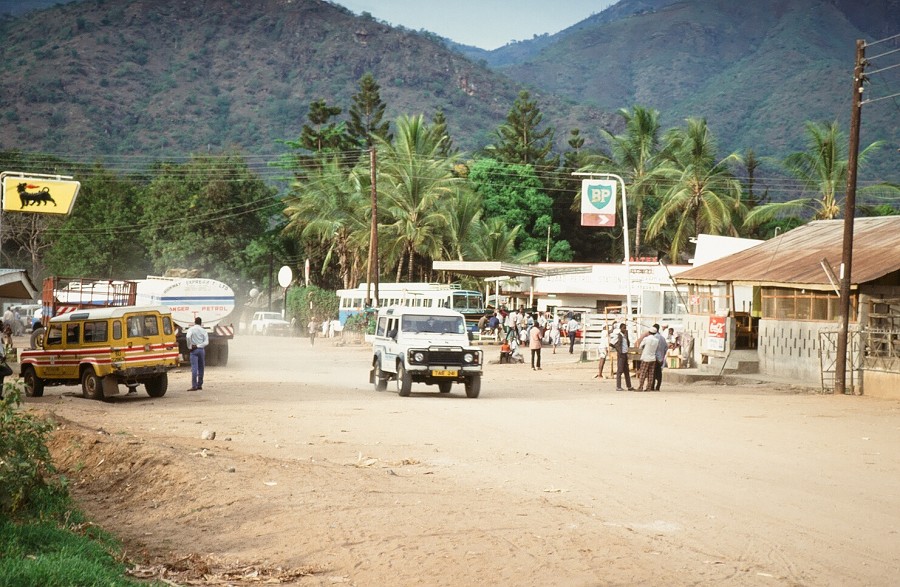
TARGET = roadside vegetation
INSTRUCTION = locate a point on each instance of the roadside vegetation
(44, 539)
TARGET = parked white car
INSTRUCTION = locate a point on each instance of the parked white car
(424, 345)
(269, 323)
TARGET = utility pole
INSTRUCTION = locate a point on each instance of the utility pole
(840, 373)
(372, 273)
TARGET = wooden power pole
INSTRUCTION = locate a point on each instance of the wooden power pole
(372, 273)
(840, 373)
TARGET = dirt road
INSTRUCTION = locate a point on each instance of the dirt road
(549, 478)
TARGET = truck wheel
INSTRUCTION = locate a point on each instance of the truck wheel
(380, 381)
(157, 386)
(91, 385)
(37, 338)
(404, 381)
(34, 385)
(223, 355)
(211, 356)
(473, 386)
(444, 386)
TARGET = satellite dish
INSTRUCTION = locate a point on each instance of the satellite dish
(285, 276)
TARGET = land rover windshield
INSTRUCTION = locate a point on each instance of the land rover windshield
(433, 324)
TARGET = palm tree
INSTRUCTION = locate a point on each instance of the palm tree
(822, 169)
(704, 195)
(497, 242)
(416, 183)
(635, 157)
(330, 207)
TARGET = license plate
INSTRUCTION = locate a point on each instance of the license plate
(444, 373)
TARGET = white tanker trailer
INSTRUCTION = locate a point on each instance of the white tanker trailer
(187, 298)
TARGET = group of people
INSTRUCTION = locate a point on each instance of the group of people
(654, 344)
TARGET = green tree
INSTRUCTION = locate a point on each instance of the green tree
(366, 114)
(822, 170)
(205, 214)
(415, 185)
(635, 156)
(514, 193)
(521, 140)
(328, 208)
(101, 237)
(703, 196)
(497, 242)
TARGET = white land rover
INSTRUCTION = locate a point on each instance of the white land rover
(425, 345)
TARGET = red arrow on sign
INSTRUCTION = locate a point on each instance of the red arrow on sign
(598, 219)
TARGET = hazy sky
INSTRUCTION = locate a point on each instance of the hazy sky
(482, 23)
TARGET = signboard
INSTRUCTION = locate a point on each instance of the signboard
(285, 276)
(38, 194)
(598, 202)
(715, 336)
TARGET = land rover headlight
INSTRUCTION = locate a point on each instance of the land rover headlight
(419, 357)
(468, 357)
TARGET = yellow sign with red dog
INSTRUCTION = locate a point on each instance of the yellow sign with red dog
(39, 194)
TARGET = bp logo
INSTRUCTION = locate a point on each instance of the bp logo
(600, 195)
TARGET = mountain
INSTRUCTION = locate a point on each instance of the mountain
(755, 70)
(161, 78)
(157, 77)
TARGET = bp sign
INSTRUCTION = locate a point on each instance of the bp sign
(598, 202)
(39, 194)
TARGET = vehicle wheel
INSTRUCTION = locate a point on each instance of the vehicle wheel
(211, 356)
(404, 380)
(37, 338)
(380, 381)
(444, 386)
(223, 355)
(157, 386)
(34, 385)
(91, 385)
(473, 386)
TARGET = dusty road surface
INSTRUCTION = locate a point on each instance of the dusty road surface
(549, 478)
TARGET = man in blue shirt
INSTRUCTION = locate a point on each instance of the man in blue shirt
(197, 341)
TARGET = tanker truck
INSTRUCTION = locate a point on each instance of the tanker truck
(187, 298)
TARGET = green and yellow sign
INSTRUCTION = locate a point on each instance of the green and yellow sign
(38, 194)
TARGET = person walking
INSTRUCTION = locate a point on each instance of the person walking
(572, 328)
(197, 340)
(535, 334)
(648, 345)
(602, 352)
(661, 350)
(554, 333)
(621, 344)
(312, 328)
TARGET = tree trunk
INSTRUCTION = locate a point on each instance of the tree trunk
(637, 231)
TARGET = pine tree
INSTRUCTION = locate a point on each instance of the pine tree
(521, 141)
(366, 114)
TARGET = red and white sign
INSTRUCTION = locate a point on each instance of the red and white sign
(715, 336)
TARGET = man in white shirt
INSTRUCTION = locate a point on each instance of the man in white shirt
(197, 341)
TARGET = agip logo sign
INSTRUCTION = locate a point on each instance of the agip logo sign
(38, 194)
(598, 202)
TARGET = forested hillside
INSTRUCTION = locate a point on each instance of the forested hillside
(165, 76)
(755, 70)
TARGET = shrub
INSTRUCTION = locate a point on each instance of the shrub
(25, 462)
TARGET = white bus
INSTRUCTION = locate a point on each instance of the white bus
(469, 303)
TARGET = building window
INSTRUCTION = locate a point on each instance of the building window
(783, 303)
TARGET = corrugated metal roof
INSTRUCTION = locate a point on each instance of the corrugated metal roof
(794, 258)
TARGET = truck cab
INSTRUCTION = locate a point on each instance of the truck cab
(102, 348)
(424, 345)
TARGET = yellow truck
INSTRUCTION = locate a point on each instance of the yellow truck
(101, 349)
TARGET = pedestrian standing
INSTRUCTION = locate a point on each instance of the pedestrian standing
(621, 344)
(534, 343)
(648, 345)
(197, 340)
(661, 350)
(312, 328)
(572, 328)
(554, 333)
